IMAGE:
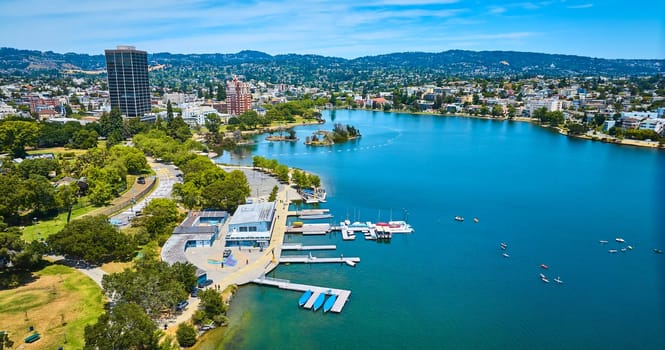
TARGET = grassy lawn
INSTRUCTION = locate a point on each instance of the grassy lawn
(46, 228)
(58, 304)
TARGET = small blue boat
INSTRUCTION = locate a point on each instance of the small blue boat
(329, 303)
(319, 302)
(305, 297)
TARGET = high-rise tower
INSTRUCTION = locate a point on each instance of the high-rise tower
(129, 90)
(238, 97)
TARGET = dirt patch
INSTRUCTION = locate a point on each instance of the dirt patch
(58, 305)
(116, 267)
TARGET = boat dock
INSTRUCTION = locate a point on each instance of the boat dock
(309, 259)
(309, 229)
(308, 212)
(299, 246)
(342, 294)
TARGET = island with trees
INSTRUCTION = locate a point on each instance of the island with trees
(340, 133)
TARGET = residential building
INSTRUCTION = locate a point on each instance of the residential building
(238, 97)
(129, 88)
(657, 125)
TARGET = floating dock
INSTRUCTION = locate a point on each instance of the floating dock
(308, 259)
(308, 212)
(299, 246)
(342, 294)
(309, 229)
(314, 216)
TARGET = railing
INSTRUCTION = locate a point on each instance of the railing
(126, 203)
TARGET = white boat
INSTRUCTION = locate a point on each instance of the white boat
(459, 218)
(398, 227)
(503, 246)
(476, 220)
(630, 247)
(602, 241)
(623, 250)
(558, 280)
(505, 255)
(542, 276)
(612, 251)
(544, 279)
(619, 239)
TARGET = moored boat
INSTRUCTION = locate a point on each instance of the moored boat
(612, 251)
(503, 246)
(602, 241)
(303, 299)
(476, 220)
(319, 302)
(459, 218)
(505, 255)
(558, 280)
(619, 239)
(657, 251)
(329, 303)
(543, 266)
(544, 279)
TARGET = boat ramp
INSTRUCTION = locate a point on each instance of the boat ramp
(342, 294)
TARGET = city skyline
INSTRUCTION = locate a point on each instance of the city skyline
(608, 29)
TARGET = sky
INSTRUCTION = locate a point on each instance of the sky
(341, 28)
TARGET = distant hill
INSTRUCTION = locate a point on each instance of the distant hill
(309, 68)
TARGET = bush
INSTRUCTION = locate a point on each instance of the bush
(186, 335)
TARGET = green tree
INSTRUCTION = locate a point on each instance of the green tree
(111, 123)
(67, 197)
(497, 111)
(84, 139)
(213, 122)
(228, 193)
(221, 92)
(153, 285)
(93, 239)
(159, 217)
(186, 335)
(273, 194)
(169, 112)
(212, 303)
(16, 135)
(126, 326)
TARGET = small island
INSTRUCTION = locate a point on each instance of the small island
(339, 134)
(290, 137)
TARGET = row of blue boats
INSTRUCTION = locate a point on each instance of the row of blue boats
(319, 300)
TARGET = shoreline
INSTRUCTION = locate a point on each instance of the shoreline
(609, 139)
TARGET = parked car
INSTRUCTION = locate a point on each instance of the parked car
(205, 283)
(227, 252)
(195, 292)
(140, 180)
(181, 305)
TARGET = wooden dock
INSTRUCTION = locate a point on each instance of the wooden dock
(342, 294)
(309, 229)
(299, 246)
(308, 259)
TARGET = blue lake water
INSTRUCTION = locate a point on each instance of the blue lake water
(549, 197)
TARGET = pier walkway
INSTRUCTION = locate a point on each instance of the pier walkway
(309, 229)
(342, 294)
(308, 212)
(299, 246)
(308, 259)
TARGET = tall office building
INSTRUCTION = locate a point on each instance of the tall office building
(238, 97)
(129, 90)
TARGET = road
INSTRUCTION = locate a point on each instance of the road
(167, 177)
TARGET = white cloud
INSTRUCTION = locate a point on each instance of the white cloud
(497, 10)
(583, 6)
